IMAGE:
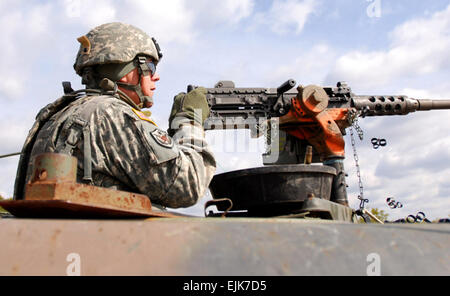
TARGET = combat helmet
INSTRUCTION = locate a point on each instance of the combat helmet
(115, 49)
(114, 43)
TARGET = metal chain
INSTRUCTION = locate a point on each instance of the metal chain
(353, 121)
(358, 171)
(358, 129)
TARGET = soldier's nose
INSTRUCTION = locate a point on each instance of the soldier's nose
(155, 77)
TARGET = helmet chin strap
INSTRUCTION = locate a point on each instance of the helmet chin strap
(143, 71)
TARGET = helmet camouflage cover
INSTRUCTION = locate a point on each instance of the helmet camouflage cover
(114, 43)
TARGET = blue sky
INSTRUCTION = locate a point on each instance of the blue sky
(405, 50)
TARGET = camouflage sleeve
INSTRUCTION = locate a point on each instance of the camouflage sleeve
(173, 172)
(197, 162)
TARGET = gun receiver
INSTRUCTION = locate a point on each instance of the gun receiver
(237, 107)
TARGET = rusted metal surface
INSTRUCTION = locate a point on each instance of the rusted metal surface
(54, 167)
(54, 193)
(54, 178)
(87, 194)
(216, 246)
(76, 209)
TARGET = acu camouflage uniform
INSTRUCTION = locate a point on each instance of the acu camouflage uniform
(116, 145)
(129, 152)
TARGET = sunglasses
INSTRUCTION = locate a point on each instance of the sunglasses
(150, 65)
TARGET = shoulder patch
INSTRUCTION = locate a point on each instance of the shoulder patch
(161, 137)
(158, 141)
(142, 116)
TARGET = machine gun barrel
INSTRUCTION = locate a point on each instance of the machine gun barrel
(425, 104)
(395, 105)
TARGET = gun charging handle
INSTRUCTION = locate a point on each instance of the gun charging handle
(279, 105)
(286, 86)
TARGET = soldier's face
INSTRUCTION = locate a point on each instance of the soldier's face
(148, 85)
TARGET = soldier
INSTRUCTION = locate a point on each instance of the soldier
(117, 145)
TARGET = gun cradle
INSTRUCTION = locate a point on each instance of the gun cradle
(304, 113)
(310, 119)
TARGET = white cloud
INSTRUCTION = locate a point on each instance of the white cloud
(310, 67)
(24, 31)
(227, 11)
(8, 170)
(88, 13)
(170, 21)
(13, 134)
(426, 93)
(286, 16)
(10, 85)
(180, 21)
(420, 46)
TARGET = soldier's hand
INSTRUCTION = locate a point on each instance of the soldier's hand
(192, 106)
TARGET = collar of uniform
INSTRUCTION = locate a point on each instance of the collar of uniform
(143, 116)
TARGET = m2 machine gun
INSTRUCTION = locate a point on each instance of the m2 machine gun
(294, 119)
